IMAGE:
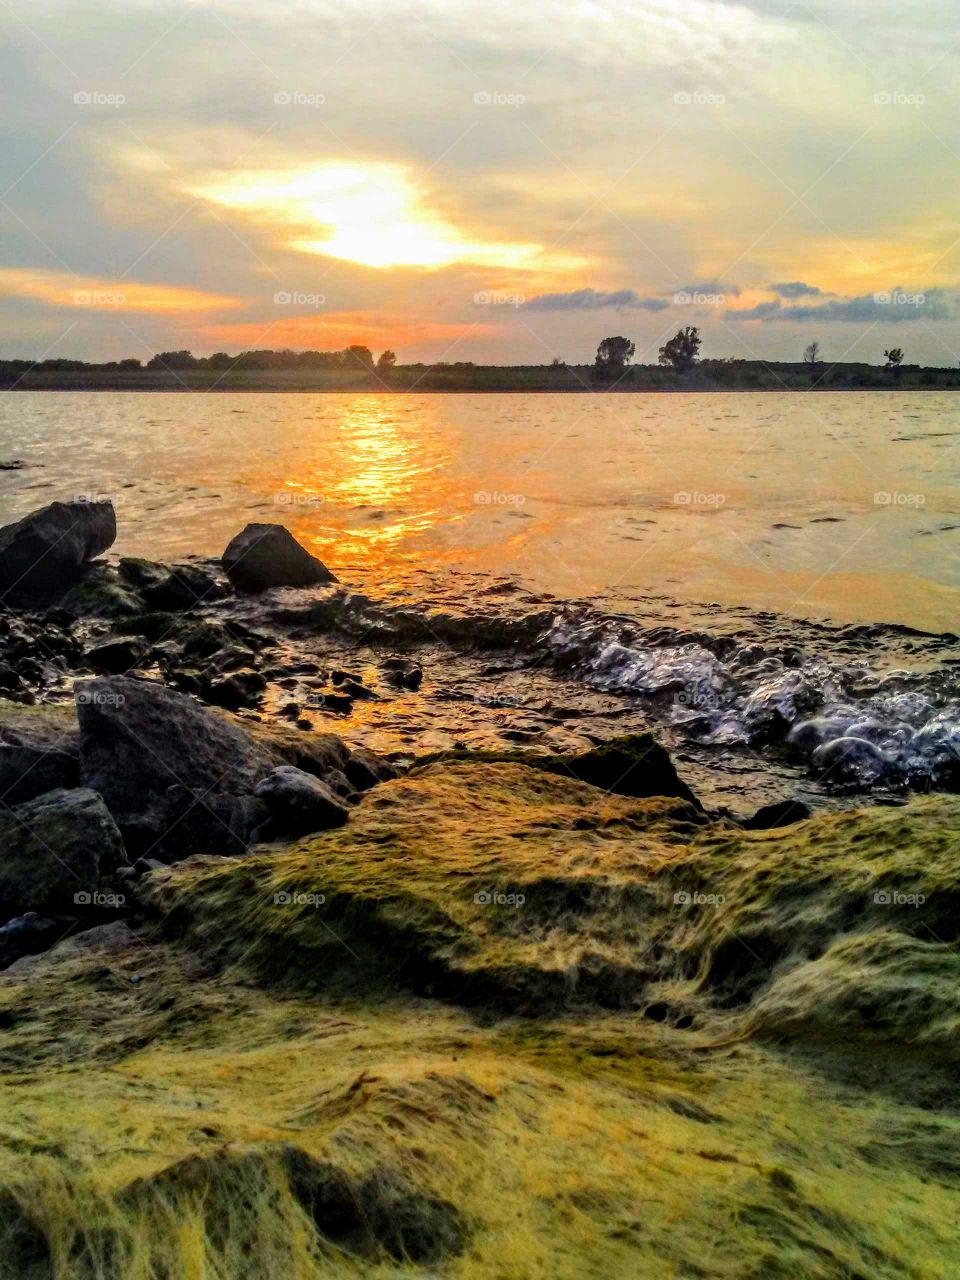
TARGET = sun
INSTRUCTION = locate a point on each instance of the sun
(374, 214)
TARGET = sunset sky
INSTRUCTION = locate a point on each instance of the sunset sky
(496, 181)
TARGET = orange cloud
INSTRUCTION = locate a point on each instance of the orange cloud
(61, 289)
(338, 330)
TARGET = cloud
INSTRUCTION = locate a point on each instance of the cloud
(890, 306)
(595, 300)
(796, 289)
(715, 287)
(63, 289)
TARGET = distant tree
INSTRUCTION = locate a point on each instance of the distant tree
(682, 350)
(358, 355)
(894, 359)
(614, 354)
(172, 360)
(387, 361)
(220, 360)
(557, 363)
(811, 358)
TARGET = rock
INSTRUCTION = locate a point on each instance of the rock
(238, 689)
(402, 672)
(338, 702)
(27, 935)
(54, 849)
(268, 555)
(32, 762)
(100, 593)
(144, 866)
(781, 814)
(852, 760)
(183, 587)
(173, 774)
(116, 656)
(115, 936)
(46, 551)
(299, 803)
(365, 769)
(354, 690)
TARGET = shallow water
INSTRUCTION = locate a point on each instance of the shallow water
(752, 572)
(774, 502)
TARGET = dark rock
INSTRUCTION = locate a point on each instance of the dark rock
(115, 936)
(143, 866)
(365, 769)
(173, 774)
(781, 814)
(268, 555)
(290, 709)
(338, 702)
(99, 593)
(299, 803)
(634, 765)
(116, 656)
(55, 848)
(46, 551)
(36, 760)
(236, 690)
(403, 673)
(27, 935)
(183, 587)
(354, 690)
(338, 677)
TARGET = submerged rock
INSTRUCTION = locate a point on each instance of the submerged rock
(47, 550)
(54, 850)
(268, 555)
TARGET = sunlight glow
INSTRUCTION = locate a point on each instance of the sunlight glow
(371, 214)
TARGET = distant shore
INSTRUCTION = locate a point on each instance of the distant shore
(709, 376)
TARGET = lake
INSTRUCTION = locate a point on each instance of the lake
(844, 506)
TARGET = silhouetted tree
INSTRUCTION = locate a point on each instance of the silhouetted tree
(387, 361)
(614, 354)
(682, 350)
(357, 355)
(894, 359)
(811, 358)
(173, 360)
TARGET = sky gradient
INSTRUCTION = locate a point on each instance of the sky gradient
(497, 182)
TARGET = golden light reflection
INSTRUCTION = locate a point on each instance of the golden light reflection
(374, 214)
(383, 489)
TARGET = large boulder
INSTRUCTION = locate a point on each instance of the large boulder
(181, 779)
(268, 555)
(47, 551)
(54, 850)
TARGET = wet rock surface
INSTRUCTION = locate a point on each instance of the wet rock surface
(267, 555)
(47, 550)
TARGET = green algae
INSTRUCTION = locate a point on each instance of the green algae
(418, 1076)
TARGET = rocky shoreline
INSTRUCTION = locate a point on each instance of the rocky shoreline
(274, 1002)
